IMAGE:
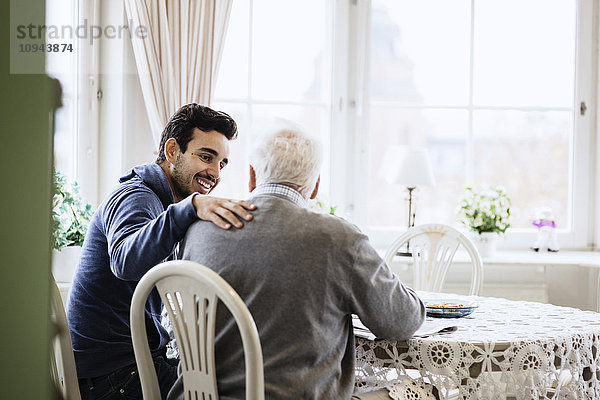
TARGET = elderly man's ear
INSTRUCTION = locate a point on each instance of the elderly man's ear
(252, 183)
(316, 191)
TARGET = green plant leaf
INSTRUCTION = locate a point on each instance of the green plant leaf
(71, 213)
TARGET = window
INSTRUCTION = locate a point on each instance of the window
(489, 87)
(76, 121)
(63, 66)
(274, 64)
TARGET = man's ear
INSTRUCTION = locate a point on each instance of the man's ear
(252, 180)
(316, 191)
(171, 150)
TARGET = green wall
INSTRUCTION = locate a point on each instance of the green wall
(25, 230)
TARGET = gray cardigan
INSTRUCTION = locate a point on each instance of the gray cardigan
(302, 275)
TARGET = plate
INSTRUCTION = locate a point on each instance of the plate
(449, 308)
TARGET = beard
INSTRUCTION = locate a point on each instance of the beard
(181, 179)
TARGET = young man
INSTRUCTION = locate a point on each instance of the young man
(302, 275)
(136, 227)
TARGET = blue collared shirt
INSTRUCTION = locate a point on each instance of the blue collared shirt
(281, 190)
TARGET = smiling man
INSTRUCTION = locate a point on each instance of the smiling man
(136, 227)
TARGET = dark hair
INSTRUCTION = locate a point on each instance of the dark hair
(182, 123)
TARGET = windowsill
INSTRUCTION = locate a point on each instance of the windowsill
(529, 257)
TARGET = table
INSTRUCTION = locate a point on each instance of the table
(505, 348)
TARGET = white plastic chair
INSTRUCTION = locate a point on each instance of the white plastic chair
(432, 248)
(190, 293)
(62, 361)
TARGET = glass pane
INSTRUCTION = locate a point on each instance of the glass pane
(419, 55)
(232, 80)
(444, 134)
(524, 53)
(529, 154)
(234, 180)
(64, 68)
(290, 53)
(65, 137)
(314, 119)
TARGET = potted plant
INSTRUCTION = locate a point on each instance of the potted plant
(487, 214)
(71, 215)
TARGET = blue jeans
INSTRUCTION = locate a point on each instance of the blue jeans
(124, 383)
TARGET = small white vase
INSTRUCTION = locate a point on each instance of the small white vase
(64, 263)
(486, 243)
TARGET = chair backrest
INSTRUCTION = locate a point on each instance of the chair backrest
(432, 248)
(62, 361)
(190, 293)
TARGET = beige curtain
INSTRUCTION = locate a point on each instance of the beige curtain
(178, 58)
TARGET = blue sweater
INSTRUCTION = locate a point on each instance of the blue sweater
(135, 228)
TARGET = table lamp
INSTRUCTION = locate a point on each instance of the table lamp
(409, 166)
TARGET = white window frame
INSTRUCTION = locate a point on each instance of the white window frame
(354, 144)
(84, 145)
(87, 160)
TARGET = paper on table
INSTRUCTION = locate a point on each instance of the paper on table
(432, 327)
(429, 327)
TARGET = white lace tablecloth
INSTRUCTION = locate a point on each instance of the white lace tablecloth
(522, 349)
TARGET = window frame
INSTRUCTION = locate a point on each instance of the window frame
(89, 96)
(85, 104)
(580, 236)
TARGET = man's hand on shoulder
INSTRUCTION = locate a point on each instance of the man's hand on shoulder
(222, 212)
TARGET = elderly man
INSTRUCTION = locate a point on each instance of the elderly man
(302, 275)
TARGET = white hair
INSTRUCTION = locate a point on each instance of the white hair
(287, 155)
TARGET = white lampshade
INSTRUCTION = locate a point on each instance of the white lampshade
(407, 165)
